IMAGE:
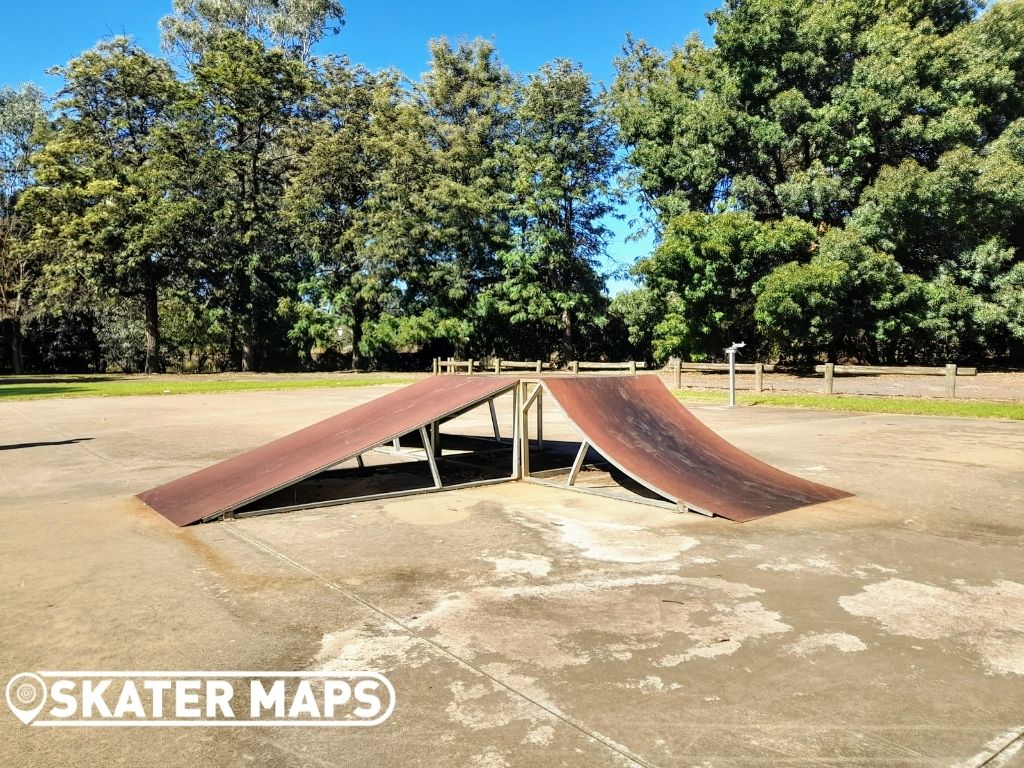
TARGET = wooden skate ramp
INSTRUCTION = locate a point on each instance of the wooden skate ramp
(209, 493)
(637, 425)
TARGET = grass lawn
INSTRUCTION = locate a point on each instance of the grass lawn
(975, 409)
(34, 387)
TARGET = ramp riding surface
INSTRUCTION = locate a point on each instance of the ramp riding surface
(235, 482)
(640, 427)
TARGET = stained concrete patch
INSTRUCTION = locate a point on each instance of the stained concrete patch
(520, 564)
(989, 620)
(824, 641)
(349, 649)
(615, 542)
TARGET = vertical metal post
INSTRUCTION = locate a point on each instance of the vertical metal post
(359, 461)
(951, 380)
(731, 351)
(758, 377)
(435, 437)
(524, 430)
(732, 377)
(540, 416)
(830, 370)
(516, 458)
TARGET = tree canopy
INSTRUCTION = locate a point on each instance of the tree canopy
(825, 180)
(839, 179)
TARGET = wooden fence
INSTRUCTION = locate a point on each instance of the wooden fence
(677, 367)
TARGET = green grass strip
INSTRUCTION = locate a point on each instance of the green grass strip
(37, 387)
(973, 409)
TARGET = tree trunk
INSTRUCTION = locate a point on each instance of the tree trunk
(17, 360)
(357, 336)
(248, 348)
(152, 323)
(567, 334)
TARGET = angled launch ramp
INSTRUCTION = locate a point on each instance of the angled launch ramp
(224, 487)
(638, 426)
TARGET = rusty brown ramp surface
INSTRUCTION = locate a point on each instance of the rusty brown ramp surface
(635, 423)
(242, 479)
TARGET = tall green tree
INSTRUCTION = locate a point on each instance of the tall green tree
(22, 112)
(99, 205)
(333, 201)
(563, 163)
(468, 99)
(243, 109)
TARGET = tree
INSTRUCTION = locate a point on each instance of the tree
(467, 97)
(331, 200)
(21, 113)
(98, 205)
(563, 161)
(881, 120)
(293, 25)
(241, 111)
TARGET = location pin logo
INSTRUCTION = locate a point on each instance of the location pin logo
(26, 695)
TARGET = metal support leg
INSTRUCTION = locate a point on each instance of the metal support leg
(397, 444)
(516, 461)
(524, 430)
(428, 448)
(359, 461)
(540, 417)
(435, 437)
(494, 421)
(577, 465)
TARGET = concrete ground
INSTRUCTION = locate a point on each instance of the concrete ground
(529, 626)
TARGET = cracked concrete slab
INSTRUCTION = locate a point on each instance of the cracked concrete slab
(525, 625)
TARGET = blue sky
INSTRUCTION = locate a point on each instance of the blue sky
(39, 34)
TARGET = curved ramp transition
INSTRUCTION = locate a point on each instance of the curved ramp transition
(637, 425)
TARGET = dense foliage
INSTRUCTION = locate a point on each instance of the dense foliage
(250, 204)
(842, 179)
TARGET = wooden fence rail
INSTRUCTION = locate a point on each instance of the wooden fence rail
(950, 371)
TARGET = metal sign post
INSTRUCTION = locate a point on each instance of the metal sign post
(731, 352)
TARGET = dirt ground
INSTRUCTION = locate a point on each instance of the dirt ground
(524, 625)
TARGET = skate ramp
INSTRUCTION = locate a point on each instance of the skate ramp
(638, 426)
(228, 485)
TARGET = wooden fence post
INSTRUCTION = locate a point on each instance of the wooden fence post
(469, 367)
(759, 377)
(435, 366)
(574, 366)
(829, 371)
(678, 373)
(497, 365)
(632, 366)
(951, 380)
(539, 365)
